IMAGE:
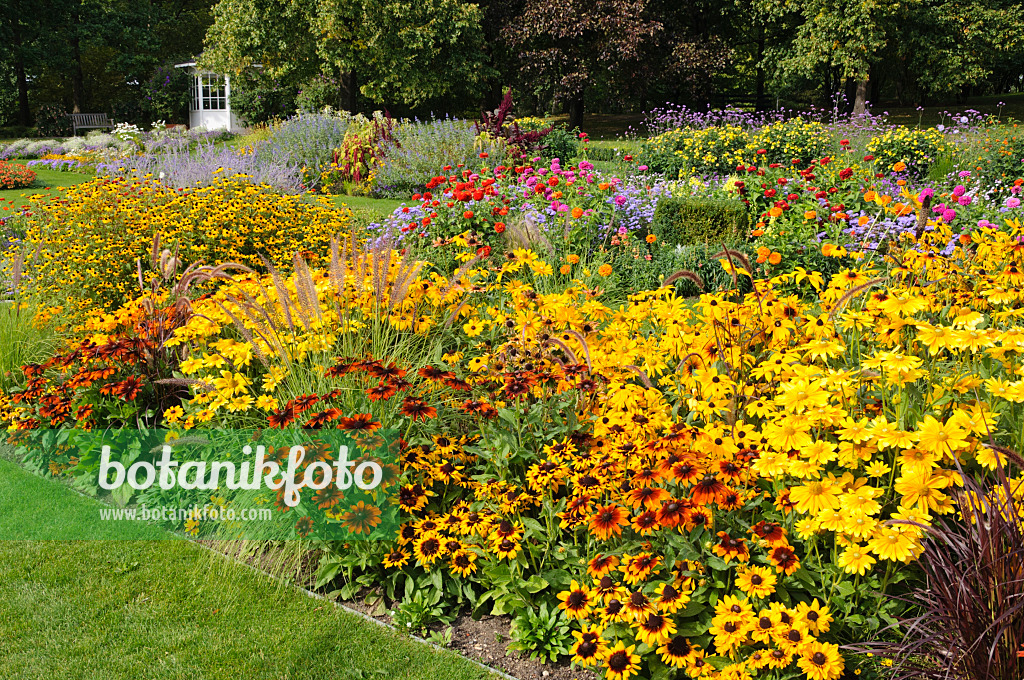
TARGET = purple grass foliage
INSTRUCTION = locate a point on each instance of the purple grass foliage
(970, 609)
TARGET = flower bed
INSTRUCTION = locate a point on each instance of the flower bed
(692, 485)
(723, 460)
(14, 176)
(85, 247)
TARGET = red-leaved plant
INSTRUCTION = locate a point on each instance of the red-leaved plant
(971, 609)
(495, 125)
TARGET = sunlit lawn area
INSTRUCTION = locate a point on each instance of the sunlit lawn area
(167, 609)
(46, 181)
(366, 209)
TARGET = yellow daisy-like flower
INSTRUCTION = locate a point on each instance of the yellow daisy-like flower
(821, 661)
(756, 581)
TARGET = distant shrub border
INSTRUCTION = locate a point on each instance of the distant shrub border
(17, 132)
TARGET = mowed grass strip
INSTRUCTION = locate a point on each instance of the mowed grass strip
(167, 609)
(366, 210)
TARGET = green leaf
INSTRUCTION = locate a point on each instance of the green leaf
(122, 494)
(559, 579)
(534, 527)
(536, 584)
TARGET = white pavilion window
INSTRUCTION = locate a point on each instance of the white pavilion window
(209, 92)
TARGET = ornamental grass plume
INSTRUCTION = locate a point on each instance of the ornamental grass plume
(692, 277)
(526, 232)
(971, 625)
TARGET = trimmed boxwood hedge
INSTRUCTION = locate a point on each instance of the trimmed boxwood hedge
(687, 221)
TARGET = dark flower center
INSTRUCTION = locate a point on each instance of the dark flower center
(618, 661)
(678, 646)
(653, 623)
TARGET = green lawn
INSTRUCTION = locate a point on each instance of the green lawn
(46, 181)
(167, 609)
(366, 210)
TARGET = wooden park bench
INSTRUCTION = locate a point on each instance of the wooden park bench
(87, 121)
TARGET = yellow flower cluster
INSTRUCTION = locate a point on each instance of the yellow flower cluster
(736, 451)
(913, 146)
(86, 245)
(722, 148)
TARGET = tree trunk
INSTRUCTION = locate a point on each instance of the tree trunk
(347, 92)
(494, 96)
(861, 98)
(850, 93)
(77, 78)
(576, 111)
(759, 101)
(24, 115)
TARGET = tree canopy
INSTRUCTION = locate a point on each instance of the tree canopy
(457, 56)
